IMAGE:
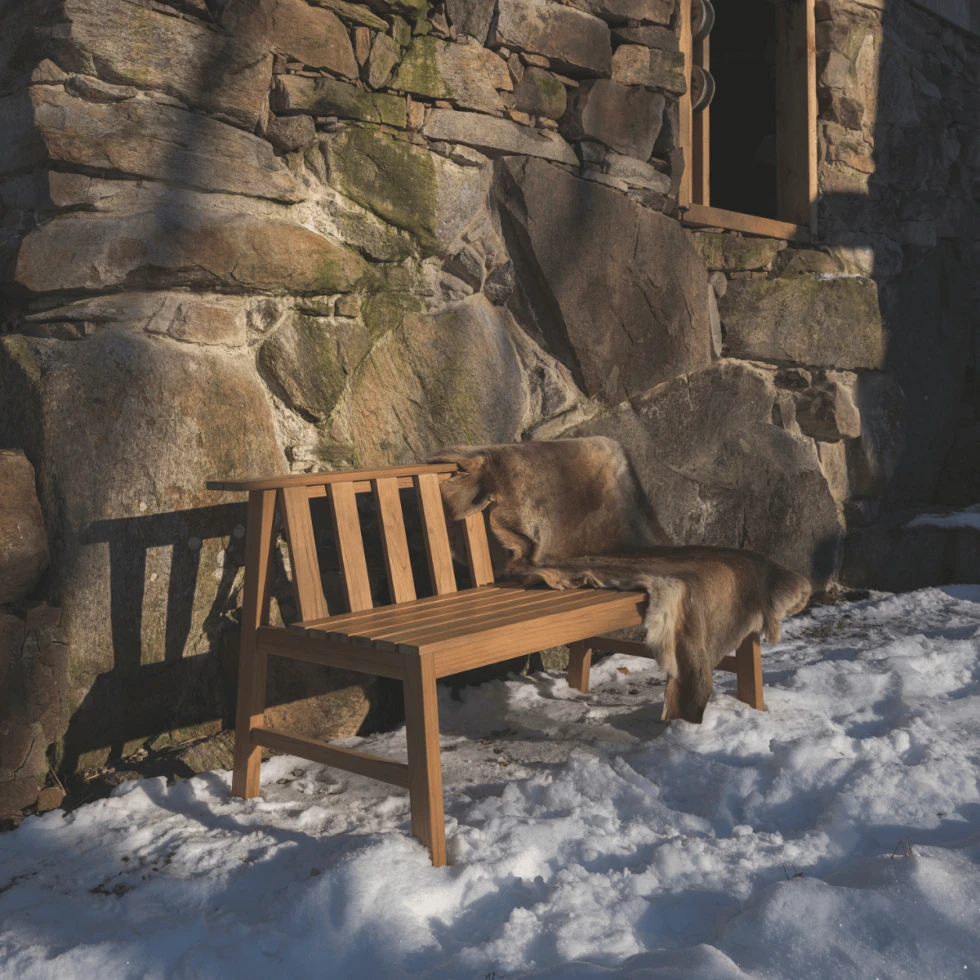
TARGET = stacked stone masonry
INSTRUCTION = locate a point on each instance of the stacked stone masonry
(280, 235)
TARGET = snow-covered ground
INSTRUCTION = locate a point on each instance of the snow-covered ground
(587, 840)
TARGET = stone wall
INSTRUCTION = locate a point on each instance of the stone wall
(247, 236)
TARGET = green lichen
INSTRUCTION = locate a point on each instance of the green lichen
(419, 72)
(385, 312)
(394, 179)
(20, 352)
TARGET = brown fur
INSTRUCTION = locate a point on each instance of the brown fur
(551, 503)
(703, 603)
(552, 500)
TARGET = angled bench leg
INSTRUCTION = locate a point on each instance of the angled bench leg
(424, 763)
(252, 665)
(579, 665)
(748, 671)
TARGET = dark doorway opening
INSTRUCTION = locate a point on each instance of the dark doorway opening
(743, 112)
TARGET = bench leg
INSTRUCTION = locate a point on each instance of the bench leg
(424, 763)
(579, 664)
(252, 664)
(748, 674)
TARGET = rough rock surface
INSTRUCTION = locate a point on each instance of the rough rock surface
(636, 64)
(718, 471)
(330, 97)
(23, 538)
(440, 70)
(500, 135)
(569, 38)
(626, 118)
(34, 702)
(615, 311)
(832, 322)
(471, 17)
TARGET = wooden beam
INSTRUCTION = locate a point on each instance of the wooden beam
(685, 136)
(699, 216)
(350, 760)
(322, 479)
(305, 566)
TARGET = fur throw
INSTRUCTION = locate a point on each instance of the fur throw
(551, 500)
(571, 513)
(703, 603)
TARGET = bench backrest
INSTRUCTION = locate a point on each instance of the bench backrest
(341, 488)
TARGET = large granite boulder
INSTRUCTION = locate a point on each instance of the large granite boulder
(34, 702)
(615, 289)
(720, 472)
(453, 377)
(125, 430)
(23, 539)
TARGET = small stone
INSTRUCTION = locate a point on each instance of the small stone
(486, 132)
(715, 318)
(592, 152)
(50, 799)
(416, 114)
(519, 117)
(719, 283)
(516, 68)
(47, 72)
(650, 37)
(635, 64)
(540, 94)
(385, 53)
(330, 97)
(401, 31)
(542, 122)
(636, 173)
(471, 17)
(362, 44)
(290, 133)
(349, 305)
(537, 60)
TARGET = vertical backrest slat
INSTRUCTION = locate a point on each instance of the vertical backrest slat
(401, 585)
(477, 549)
(435, 534)
(350, 546)
(298, 526)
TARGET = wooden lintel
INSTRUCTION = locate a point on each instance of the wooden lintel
(699, 216)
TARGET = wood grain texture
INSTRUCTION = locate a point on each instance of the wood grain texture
(274, 641)
(477, 549)
(424, 764)
(435, 534)
(701, 134)
(685, 135)
(252, 662)
(749, 672)
(387, 770)
(796, 95)
(579, 666)
(350, 547)
(699, 216)
(401, 585)
(324, 479)
(298, 528)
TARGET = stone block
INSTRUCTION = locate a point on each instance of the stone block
(730, 253)
(636, 64)
(573, 41)
(441, 70)
(635, 173)
(471, 17)
(614, 309)
(183, 247)
(385, 53)
(307, 34)
(23, 538)
(651, 37)
(540, 94)
(620, 11)
(823, 322)
(826, 411)
(496, 135)
(626, 118)
(130, 44)
(309, 360)
(330, 97)
(290, 133)
(408, 186)
(141, 138)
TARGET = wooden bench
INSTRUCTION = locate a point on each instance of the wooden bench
(414, 640)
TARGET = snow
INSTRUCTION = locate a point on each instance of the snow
(970, 517)
(587, 839)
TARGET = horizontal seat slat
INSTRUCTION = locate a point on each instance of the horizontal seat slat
(505, 599)
(552, 602)
(278, 642)
(496, 643)
(519, 604)
(345, 620)
(387, 770)
(322, 479)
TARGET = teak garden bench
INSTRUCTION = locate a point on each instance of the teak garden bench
(414, 640)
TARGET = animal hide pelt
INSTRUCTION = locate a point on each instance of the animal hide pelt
(703, 603)
(571, 513)
(551, 500)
